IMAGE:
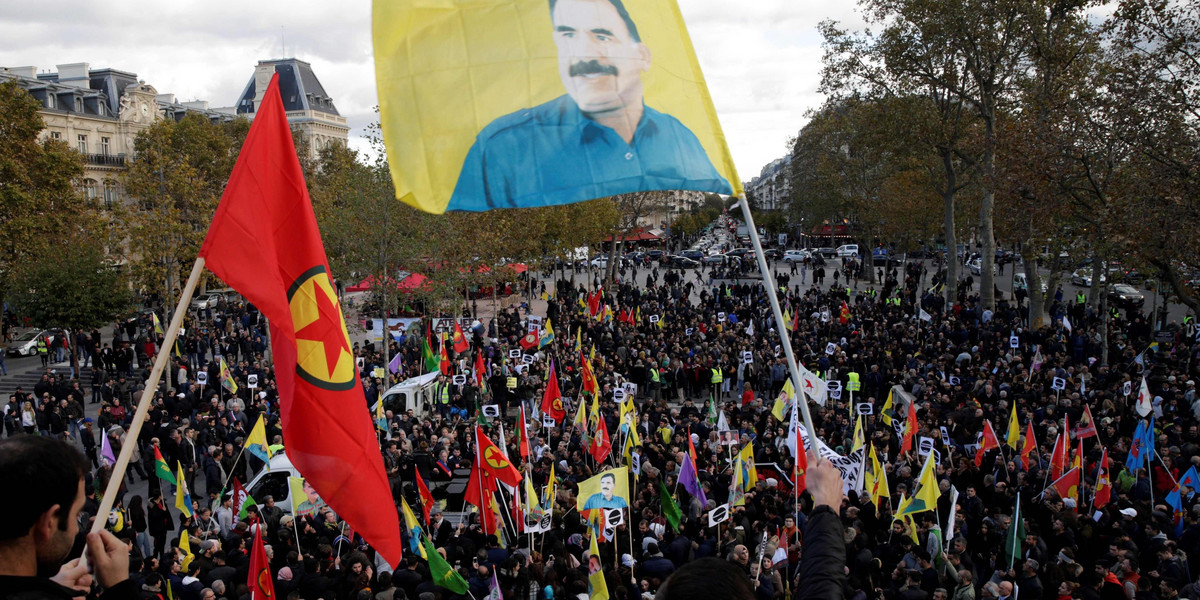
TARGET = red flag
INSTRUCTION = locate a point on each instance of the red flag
(1067, 485)
(460, 341)
(523, 432)
(1029, 447)
(423, 493)
(531, 340)
(1103, 482)
(1058, 458)
(1087, 425)
(239, 496)
(844, 317)
(990, 442)
(492, 459)
(444, 364)
(601, 444)
(594, 302)
(910, 429)
(589, 377)
(259, 578)
(264, 242)
(481, 492)
(691, 446)
(480, 370)
(552, 398)
(800, 472)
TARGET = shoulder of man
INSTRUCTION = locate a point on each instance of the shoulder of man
(544, 113)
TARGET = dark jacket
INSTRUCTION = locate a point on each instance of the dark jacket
(822, 571)
(36, 588)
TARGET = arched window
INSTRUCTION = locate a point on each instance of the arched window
(111, 193)
(91, 188)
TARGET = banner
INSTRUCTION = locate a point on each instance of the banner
(609, 489)
(521, 103)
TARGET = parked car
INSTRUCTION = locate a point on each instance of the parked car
(25, 344)
(693, 254)
(207, 300)
(796, 255)
(1083, 277)
(715, 259)
(826, 252)
(682, 262)
(885, 260)
(1125, 296)
(656, 254)
(976, 266)
(847, 251)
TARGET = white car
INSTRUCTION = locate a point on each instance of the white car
(1083, 277)
(796, 255)
(847, 251)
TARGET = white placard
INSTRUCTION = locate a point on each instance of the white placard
(653, 318)
(534, 323)
(945, 436)
(830, 348)
(1014, 341)
(614, 517)
(833, 385)
(688, 331)
(491, 410)
(728, 437)
(955, 380)
(520, 369)
(514, 353)
(836, 394)
(720, 316)
(618, 395)
(252, 380)
(718, 515)
(1058, 384)
(202, 378)
(460, 380)
(924, 446)
(864, 408)
(630, 388)
(1127, 388)
(527, 359)
(360, 362)
(548, 421)
(747, 358)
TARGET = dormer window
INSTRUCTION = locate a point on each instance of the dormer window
(51, 101)
(78, 105)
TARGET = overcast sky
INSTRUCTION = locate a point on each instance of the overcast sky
(761, 58)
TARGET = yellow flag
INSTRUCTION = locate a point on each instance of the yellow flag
(787, 318)
(786, 395)
(185, 544)
(886, 413)
(880, 490)
(1013, 438)
(551, 489)
(748, 473)
(157, 324)
(488, 106)
(256, 442)
(413, 526)
(597, 587)
(860, 439)
(183, 500)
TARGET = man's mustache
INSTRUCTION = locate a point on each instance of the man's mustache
(591, 67)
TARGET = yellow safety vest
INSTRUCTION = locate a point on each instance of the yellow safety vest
(853, 385)
(41, 346)
(445, 394)
(654, 375)
(717, 376)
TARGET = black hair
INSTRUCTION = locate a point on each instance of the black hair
(49, 472)
(620, 6)
(704, 578)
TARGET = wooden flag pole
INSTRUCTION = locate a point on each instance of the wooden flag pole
(139, 417)
(769, 283)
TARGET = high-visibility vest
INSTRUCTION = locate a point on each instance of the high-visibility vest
(444, 394)
(41, 346)
(1080, 297)
(717, 376)
(853, 385)
(654, 375)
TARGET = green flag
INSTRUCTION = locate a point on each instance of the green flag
(1015, 537)
(712, 418)
(161, 469)
(247, 503)
(443, 575)
(670, 509)
(431, 360)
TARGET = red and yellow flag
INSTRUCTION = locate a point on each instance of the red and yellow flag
(264, 242)
(259, 578)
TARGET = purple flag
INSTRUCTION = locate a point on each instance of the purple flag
(395, 365)
(106, 450)
(687, 477)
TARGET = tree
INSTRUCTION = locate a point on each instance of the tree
(77, 288)
(175, 185)
(39, 200)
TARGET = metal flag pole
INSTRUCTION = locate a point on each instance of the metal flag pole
(769, 283)
(139, 417)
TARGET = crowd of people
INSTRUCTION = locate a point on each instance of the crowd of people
(708, 366)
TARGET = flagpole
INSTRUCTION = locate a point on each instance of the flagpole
(1012, 555)
(777, 311)
(139, 417)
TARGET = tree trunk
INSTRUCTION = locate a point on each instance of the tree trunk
(1103, 326)
(1034, 287)
(613, 253)
(987, 294)
(950, 291)
(1097, 284)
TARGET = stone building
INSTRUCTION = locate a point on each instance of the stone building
(309, 108)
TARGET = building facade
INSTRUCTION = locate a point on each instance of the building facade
(772, 189)
(310, 110)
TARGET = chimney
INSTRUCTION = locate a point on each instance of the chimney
(74, 74)
(29, 72)
(262, 78)
(197, 104)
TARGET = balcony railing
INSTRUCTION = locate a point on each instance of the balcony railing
(106, 160)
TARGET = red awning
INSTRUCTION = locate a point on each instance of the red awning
(637, 235)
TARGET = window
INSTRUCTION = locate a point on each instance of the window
(51, 101)
(91, 188)
(56, 136)
(110, 193)
(81, 144)
(104, 146)
(79, 105)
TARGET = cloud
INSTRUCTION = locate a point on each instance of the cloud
(761, 58)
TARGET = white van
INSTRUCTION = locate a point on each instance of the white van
(847, 251)
(273, 482)
(416, 394)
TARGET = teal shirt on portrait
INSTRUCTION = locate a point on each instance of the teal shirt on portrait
(552, 154)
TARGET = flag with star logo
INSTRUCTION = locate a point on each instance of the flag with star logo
(264, 242)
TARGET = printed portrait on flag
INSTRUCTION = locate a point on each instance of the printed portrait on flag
(305, 501)
(522, 103)
(609, 489)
